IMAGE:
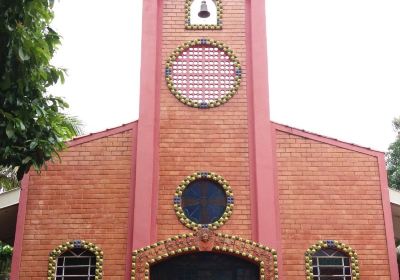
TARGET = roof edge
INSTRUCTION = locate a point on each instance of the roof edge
(9, 198)
(327, 140)
(101, 134)
(394, 196)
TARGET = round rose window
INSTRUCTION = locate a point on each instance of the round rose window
(203, 73)
(203, 200)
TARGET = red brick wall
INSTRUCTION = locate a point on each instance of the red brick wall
(83, 197)
(212, 140)
(327, 192)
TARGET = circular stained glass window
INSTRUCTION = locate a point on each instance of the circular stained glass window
(203, 73)
(203, 200)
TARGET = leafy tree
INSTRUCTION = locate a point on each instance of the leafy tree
(33, 127)
(393, 158)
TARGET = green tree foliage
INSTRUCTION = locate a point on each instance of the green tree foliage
(5, 250)
(8, 179)
(33, 127)
(5, 260)
(393, 158)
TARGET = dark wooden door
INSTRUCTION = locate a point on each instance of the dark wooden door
(205, 266)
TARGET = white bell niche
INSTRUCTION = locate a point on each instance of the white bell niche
(203, 12)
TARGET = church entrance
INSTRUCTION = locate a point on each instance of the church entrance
(204, 265)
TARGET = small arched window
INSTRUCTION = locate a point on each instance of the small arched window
(331, 264)
(76, 260)
(331, 260)
(77, 264)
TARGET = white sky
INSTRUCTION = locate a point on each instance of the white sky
(334, 66)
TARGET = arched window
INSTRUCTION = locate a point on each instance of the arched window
(76, 260)
(331, 260)
(331, 263)
(77, 264)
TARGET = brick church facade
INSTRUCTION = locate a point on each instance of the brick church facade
(293, 204)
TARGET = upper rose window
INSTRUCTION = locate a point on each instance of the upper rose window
(203, 73)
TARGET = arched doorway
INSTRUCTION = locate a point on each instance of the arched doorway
(204, 265)
(221, 252)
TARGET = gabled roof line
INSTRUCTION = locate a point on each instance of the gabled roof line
(285, 128)
(327, 140)
(101, 134)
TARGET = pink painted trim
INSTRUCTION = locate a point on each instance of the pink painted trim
(146, 185)
(251, 129)
(387, 213)
(278, 225)
(144, 188)
(101, 134)
(327, 140)
(265, 217)
(156, 159)
(128, 258)
(19, 233)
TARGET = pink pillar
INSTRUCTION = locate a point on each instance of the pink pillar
(265, 211)
(387, 212)
(144, 188)
(19, 232)
(265, 214)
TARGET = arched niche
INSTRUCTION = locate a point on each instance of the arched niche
(205, 240)
(194, 21)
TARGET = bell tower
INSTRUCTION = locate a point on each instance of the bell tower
(204, 108)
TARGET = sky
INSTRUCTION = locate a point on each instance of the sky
(334, 66)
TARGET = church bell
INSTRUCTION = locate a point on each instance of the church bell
(204, 13)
